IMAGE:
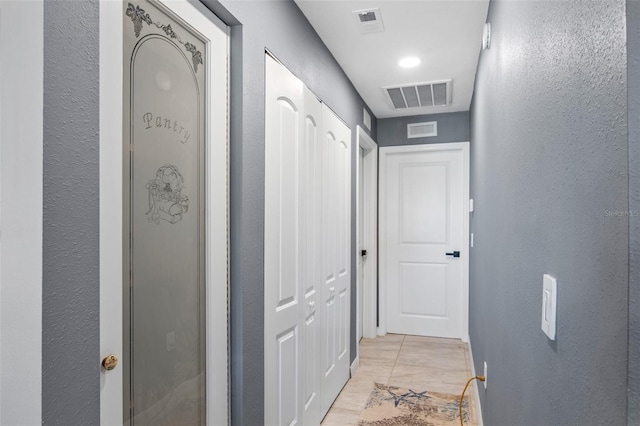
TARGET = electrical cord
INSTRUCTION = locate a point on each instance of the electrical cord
(482, 379)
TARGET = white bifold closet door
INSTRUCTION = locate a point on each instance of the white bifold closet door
(336, 243)
(307, 229)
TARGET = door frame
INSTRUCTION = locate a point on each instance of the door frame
(21, 211)
(387, 151)
(370, 237)
(111, 24)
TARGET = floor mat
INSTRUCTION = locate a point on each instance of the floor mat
(396, 406)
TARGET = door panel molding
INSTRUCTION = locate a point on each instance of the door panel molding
(386, 153)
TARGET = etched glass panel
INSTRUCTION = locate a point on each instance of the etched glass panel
(164, 122)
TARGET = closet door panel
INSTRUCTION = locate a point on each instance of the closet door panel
(282, 292)
(336, 232)
(310, 249)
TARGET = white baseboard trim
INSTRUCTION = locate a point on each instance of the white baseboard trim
(354, 365)
(476, 390)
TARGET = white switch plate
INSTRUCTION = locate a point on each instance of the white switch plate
(549, 297)
(471, 205)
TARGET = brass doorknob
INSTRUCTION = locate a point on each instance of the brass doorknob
(109, 362)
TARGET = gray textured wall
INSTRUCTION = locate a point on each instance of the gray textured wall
(70, 289)
(71, 257)
(549, 160)
(282, 28)
(633, 87)
(452, 127)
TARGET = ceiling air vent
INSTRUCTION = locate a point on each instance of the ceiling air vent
(416, 95)
(422, 130)
(369, 20)
(367, 16)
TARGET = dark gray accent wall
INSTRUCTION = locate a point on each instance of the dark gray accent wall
(633, 87)
(70, 287)
(550, 183)
(280, 27)
(452, 127)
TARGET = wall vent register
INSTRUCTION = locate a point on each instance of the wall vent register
(422, 130)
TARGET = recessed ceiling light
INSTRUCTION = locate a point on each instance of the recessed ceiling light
(409, 62)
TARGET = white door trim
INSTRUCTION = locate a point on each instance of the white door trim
(21, 191)
(111, 76)
(370, 237)
(385, 152)
(111, 225)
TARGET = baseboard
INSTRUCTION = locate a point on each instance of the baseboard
(354, 365)
(476, 393)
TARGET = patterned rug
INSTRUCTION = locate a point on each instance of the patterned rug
(394, 406)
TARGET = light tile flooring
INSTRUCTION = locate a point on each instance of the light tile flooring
(419, 363)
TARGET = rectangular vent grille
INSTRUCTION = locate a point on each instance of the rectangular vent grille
(436, 93)
(368, 20)
(422, 130)
(367, 16)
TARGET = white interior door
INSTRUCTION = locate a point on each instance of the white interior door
(163, 238)
(292, 248)
(336, 242)
(424, 221)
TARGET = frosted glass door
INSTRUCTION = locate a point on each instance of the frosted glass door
(165, 84)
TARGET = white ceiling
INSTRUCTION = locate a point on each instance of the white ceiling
(445, 34)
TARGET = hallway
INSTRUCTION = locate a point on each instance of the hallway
(414, 362)
(554, 176)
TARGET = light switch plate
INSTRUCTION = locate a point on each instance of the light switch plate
(549, 298)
